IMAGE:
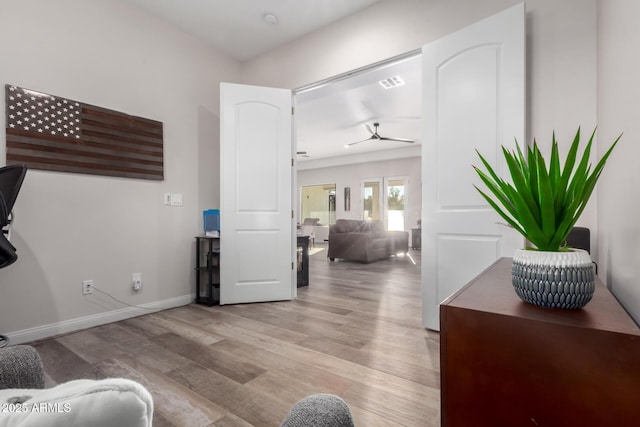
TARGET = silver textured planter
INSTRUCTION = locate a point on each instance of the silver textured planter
(554, 279)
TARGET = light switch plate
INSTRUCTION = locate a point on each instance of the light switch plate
(176, 199)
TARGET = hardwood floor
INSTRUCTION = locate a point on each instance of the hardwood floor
(355, 332)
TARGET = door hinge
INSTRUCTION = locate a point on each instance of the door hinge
(292, 267)
(292, 216)
(293, 110)
(291, 162)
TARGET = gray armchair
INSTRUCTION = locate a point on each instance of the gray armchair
(308, 228)
(20, 367)
(319, 410)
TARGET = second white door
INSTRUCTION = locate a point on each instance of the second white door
(474, 98)
(256, 243)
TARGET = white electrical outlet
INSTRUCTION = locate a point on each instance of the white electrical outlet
(136, 281)
(87, 287)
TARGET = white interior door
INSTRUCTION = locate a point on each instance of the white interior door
(474, 98)
(256, 236)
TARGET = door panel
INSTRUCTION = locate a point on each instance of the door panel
(456, 100)
(256, 237)
(476, 252)
(473, 95)
(256, 142)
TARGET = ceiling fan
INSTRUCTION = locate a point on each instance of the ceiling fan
(376, 137)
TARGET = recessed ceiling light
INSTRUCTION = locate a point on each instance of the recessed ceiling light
(392, 82)
(270, 19)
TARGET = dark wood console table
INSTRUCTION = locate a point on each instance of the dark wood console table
(508, 363)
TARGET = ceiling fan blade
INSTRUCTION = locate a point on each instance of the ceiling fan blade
(369, 129)
(364, 140)
(410, 141)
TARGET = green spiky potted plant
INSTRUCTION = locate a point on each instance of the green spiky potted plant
(543, 204)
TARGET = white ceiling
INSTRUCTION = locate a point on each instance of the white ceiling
(238, 28)
(328, 117)
(334, 115)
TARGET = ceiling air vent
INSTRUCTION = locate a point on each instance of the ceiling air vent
(391, 82)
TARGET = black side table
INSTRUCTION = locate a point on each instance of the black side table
(302, 261)
(207, 267)
(416, 238)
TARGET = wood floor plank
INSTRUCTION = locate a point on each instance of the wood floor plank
(156, 356)
(257, 408)
(230, 420)
(302, 323)
(285, 367)
(322, 307)
(381, 362)
(174, 321)
(355, 331)
(88, 345)
(362, 417)
(289, 388)
(408, 389)
(160, 421)
(413, 350)
(223, 316)
(312, 312)
(145, 326)
(172, 401)
(209, 357)
(390, 406)
(62, 364)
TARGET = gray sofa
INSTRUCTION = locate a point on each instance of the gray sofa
(365, 241)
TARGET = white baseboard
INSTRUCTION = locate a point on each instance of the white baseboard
(67, 326)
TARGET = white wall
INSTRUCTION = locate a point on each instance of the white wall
(386, 29)
(618, 108)
(561, 46)
(103, 52)
(351, 175)
(73, 227)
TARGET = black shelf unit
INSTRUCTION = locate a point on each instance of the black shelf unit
(416, 238)
(302, 256)
(207, 268)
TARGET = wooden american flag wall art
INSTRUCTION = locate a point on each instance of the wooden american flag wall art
(52, 133)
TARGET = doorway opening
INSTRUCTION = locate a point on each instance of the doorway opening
(335, 130)
(372, 200)
(396, 197)
(318, 202)
(357, 131)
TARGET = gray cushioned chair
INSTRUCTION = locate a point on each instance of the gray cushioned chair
(319, 410)
(20, 367)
